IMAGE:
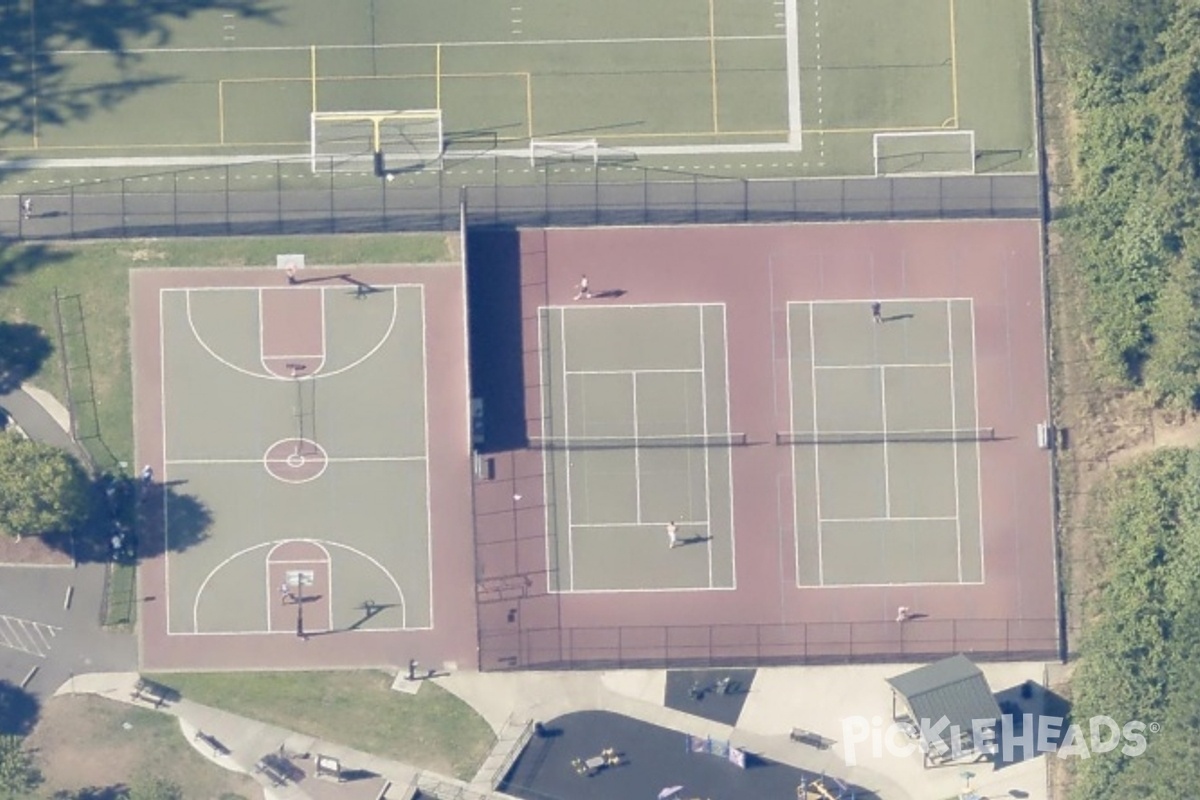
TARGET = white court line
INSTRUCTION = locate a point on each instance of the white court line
(271, 376)
(648, 590)
(543, 349)
(812, 347)
(877, 366)
(162, 398)
(562, 324)
(697, 523)
(344, 460)
(630, 371)
(729, 451)
(866, 302)
(759, 37)
(954, 425)
(637, 457)
(428, 484)
(888, 519)
(887, 483)
(704, 427)
(270, 597)
(791, 42)
(978, 448)
(638, 306)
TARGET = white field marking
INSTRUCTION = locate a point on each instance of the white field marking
(562, 324)
(978, 449)
(812, 347)
(729, 452)
(893, 585)
(791, 425)
(704, 427)
(791, 42)
(954, 447)
(887, 483)
(272, 377)
(320, 542)
(422, 45)
(637, 458)
(428, 486)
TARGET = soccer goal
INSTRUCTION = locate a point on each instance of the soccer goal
(924, 153)
(363, 141)
(546, 151)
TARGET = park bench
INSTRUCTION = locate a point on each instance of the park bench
(150, 692)
(807, 737)
(212, 741)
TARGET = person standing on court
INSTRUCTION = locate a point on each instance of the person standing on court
(585, 290)
(672, 534)
(147, 475)
(27, 207)
(877, 312)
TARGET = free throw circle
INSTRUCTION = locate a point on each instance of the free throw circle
(296, 460)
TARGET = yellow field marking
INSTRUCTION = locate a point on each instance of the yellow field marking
(312, 75)
(438, 82)
(953, 68)
(712, 58)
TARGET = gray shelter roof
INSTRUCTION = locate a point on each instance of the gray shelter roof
(953, 688)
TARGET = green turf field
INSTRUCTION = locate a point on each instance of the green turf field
(734, 87)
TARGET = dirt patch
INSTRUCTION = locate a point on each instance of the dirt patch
(89, 741)
(30, 551)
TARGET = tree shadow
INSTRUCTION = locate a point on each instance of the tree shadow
(23, 350)
(125, 522)
(42, 88)
(117, 791)
(18, 710)
(21, 259)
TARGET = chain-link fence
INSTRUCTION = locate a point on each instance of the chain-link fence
(655, 646)
(271, 198)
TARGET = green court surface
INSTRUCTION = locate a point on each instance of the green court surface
(310, 382)
(755, 87)
(633, 398)
(887, 469)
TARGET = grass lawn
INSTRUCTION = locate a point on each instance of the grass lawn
(98, 274)
(92, 742)
(432, 729)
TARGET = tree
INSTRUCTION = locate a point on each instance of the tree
(42, 489)
(18, 775)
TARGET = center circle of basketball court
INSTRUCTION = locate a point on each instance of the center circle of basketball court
(295, 460)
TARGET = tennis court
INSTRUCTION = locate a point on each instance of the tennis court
(293, 459)
(635, 436)
(886, 443)
(783, 87)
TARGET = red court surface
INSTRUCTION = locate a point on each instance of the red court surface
(755, 271)
(289, 333)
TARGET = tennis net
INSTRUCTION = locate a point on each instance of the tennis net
(885, 437)
(633, 442)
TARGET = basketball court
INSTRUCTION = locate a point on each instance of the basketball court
(294, 459)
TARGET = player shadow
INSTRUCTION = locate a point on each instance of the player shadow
(898, 317)
(608, 294)
(685, 541)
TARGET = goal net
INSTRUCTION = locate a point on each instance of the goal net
(554, 150)
(924, 153)
(364, 141)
